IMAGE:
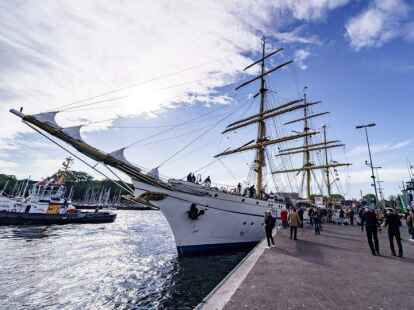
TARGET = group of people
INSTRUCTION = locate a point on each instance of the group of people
(315, 219)
(292, 219)
(370, 221)
(197, 180)
(192, 178)
(346, 216)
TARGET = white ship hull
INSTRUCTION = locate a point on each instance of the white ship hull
(229, 222)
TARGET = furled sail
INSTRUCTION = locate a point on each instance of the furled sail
(70, 135)
(154, 173)
(73, 132)
(120, 155)
(47, 117)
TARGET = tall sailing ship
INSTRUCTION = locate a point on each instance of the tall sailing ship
(204, 219)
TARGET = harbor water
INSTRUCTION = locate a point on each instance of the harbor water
(129, 264)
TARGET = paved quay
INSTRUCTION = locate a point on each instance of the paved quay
(332, 271)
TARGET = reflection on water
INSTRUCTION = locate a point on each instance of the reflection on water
(129, 264)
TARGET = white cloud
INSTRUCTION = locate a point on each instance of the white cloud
(62, 51)
(300, 56)
(401, 144)
(295, 36)
(59, 52)
(395, 174)
(312, 9)
(361, 150)
(6, 164)
(381, 22)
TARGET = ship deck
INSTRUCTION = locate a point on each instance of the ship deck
(332, 271)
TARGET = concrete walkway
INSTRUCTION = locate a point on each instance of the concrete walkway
(332, 271)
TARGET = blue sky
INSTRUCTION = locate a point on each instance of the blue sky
(177, 61)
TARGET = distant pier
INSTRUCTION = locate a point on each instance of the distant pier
(332, 271)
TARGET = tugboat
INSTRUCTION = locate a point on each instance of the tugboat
(47, 204)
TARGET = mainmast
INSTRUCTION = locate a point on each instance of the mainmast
(261, 128)
(307, 162)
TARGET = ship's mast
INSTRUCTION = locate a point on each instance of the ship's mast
(262, 141)
(328, 181)
(260, 118)
(261, 128)
(307, 162)
(308, 147)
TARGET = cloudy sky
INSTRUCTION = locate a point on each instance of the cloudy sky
(160, 76)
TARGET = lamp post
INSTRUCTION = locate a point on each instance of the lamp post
(365, 127)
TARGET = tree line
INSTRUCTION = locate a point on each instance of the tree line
(80, 182)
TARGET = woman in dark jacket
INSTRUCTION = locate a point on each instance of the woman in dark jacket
(269, 225)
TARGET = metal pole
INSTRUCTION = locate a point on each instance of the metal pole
(372, 166)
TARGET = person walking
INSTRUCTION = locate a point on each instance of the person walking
(361, 217)
(284, 217)
(351, 216)
(239, 188)
(317, 219)
(311, 213)
(269, 225)
(371, 226)
(410, 224)
(393, 221)
(294, 221)
(341, 216)
(300, 213)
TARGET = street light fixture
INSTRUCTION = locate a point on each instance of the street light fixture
(370, 156)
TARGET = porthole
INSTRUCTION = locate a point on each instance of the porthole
(244, 223)
(251, 223)
(243, 200)
(215, 195)
(257, 202)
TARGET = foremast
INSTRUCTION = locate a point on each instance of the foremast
(261, 128)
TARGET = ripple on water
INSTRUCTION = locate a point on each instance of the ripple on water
(129, 264)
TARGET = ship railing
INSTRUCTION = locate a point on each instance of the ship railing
(215, 186)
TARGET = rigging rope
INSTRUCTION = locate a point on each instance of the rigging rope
(203, 167)
(317, 183)
(75, 108)
(80, 107)
(118, 177)
(279, 132)
(169, 128)
(228, 170)
(135, 84)
(271, 174)
(243, 112)
(195, 139)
